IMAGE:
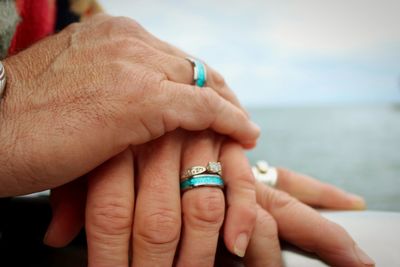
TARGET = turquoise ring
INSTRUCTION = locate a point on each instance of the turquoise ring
(209, 180)
(199, 72)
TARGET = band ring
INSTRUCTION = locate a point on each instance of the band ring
(199, 72)
(265, 173)
(202, 180)
(211, 168)
(3, 79)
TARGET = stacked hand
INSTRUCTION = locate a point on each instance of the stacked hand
(88, 101)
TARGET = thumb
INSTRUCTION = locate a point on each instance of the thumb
(68, 207)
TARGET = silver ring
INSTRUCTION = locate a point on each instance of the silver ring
(199, 72)
(265, 174)
(3, 79)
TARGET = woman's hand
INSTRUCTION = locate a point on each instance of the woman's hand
(315, 193)
(282, 217)
(78, 98)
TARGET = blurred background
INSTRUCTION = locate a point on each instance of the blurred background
(322, 79)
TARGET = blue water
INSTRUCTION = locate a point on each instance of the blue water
(356, 148)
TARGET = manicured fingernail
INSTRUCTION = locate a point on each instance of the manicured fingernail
(358, 202)
(364, 258)
(241, 245)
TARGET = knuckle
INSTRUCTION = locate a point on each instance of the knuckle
(217, 79)
(245, 178)
(120, 47)
(210, 100)
(119, 26)
(118, 71)
(276, 200)
(339, 238)
(111, 217)
(205, 210)
(160, 227)
(283, 200)
(268, 225)
(132, 24)
(120, 21)
(250, 213)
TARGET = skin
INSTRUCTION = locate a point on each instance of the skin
(80, 123)
(84, 95)
(156, 222)
(119, 60)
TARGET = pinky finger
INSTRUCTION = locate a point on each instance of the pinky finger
(264, 249)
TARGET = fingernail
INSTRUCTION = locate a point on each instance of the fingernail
(364, 258)
(47, 234)
(241, 245)
(358, 202)
(249, 145)
(255, 126)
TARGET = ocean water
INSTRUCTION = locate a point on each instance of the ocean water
(356, 148)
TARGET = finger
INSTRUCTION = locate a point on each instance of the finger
(199, 109)
(304, 227)
(157, 220)
(163, 57)
(202, 208)
(313, 192)
(109, 212)
(68, 212)
(240, 196)
(264, 249)
(179, 69)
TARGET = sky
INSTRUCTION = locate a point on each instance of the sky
(285, 52)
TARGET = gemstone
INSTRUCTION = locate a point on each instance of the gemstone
(262, 166)
(214, 167)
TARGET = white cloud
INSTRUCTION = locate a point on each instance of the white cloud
(331, 27)
(284, 51)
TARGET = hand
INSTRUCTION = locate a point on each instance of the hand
(233, 158)
(78, 98)
(157, 217)
(302, 226)
(312, 192)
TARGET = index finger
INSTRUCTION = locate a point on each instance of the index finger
(305, 228)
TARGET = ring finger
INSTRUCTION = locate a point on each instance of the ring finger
(176, 67)
(181, 70)
(202, 208)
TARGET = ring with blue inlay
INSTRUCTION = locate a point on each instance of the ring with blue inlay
(199, 72)
(209, 180)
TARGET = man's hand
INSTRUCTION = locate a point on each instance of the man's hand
(79, 97)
